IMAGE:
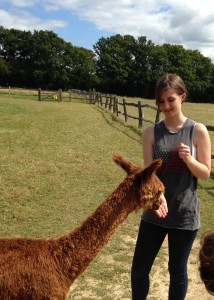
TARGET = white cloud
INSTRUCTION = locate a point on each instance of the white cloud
(22, 3)
(25, 21)
(189, 23)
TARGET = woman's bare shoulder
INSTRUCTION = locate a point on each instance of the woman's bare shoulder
(148, 130)
(200, 131)
(200, 127)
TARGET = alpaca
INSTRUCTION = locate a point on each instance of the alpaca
(34, 268)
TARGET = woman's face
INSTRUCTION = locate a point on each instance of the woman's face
(170, 102)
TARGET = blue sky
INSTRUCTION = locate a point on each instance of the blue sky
(83, 22)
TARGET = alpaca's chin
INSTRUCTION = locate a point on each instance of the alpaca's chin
(150, 203)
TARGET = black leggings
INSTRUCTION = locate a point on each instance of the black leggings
(150, 239)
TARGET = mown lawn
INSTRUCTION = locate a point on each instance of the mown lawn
(56, 167)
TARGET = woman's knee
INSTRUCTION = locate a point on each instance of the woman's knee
(178, 275)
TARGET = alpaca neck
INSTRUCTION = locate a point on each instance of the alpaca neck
(87, 240)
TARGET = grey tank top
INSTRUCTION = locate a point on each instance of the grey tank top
(180, 184)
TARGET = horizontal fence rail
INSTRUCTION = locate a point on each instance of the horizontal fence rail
(49, 95)
(112, 103)
(60, 95)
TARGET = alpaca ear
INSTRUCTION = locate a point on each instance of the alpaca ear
(149, 172)
(153, 167)
(126, 165)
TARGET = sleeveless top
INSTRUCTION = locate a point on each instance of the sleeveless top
(180, 184)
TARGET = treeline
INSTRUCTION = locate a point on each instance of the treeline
(121, 65)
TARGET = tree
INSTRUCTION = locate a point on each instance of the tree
(4, 72)
(141, 66)
(123, 65)
(81, 66)
(42, 59)
(46, 57)
(125, 60)
(201, 81)
(195, 69)
(14, 49)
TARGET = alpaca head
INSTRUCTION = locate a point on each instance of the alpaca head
(149, 185)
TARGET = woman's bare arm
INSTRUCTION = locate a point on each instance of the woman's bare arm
(200, 166)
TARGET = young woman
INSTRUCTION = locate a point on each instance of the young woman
(185, 149)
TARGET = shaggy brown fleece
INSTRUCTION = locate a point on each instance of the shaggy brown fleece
(40, 269)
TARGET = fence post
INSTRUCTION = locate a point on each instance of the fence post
(140, 123)
(94, 94)
(113, 104)
(60, 95)
(106, 102)
(39, 94)
(90, 95)
(157, 119)
(110, 103)
(97, 98)
(116, 106)
(124, 110)
(101, 99)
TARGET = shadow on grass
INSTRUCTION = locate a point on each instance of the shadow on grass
(116, 121)
(209, 188)
(210, 128)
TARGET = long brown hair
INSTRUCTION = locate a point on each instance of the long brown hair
(206, 261)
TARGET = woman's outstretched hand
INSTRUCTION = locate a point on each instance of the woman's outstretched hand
(162, 211)
(184, 152)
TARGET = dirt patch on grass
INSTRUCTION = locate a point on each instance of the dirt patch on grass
(160, 277)
(115, 285)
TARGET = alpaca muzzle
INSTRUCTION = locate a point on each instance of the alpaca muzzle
(151, 201)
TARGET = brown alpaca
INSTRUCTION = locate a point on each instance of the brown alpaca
(46, 268)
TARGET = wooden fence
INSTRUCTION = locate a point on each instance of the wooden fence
(59, 95)
(16, 91)
(117, 106)
(113, 103)
(107, 101)
(49, 95)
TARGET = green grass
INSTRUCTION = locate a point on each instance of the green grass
(56, 167)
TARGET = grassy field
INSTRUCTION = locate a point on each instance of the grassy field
(56, 167)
